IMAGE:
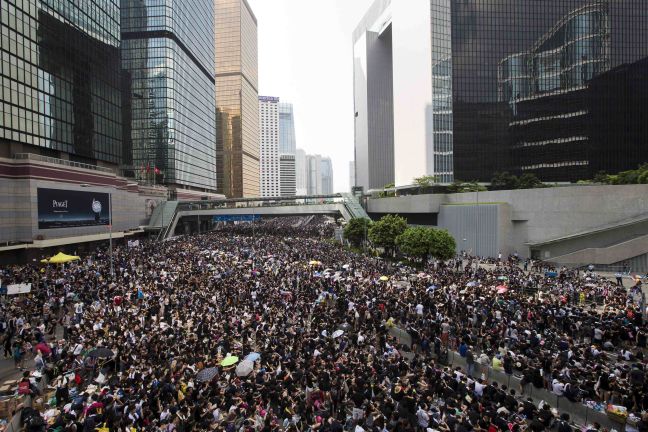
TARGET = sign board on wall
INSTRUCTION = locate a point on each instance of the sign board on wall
(60, 208)
(236, 218)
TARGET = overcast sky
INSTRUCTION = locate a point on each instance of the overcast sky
(306, 57)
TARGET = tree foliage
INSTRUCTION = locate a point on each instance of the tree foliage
(422, 243)
(356, 230)
(385, 193)
(638, 176)
(507, 181)
(459, 186)
(383, 233)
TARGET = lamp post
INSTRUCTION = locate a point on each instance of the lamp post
(110, 247)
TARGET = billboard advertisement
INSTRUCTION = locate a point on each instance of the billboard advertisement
(60, 208)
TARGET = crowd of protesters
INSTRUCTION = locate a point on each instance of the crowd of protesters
(322, 322)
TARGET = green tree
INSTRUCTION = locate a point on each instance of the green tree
(459, 186)
(416, 242)
(504, 181)
(443, 246)
(384, 232)
(384, 193)
(425, 182)
(529, 181)
(422, 243)
(356, 230)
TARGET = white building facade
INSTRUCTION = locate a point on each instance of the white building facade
(270, 171)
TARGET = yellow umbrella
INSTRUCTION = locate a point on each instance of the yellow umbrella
(61, 258)
(229, 361)
(45, 261)
(314, 262)
(384, 278)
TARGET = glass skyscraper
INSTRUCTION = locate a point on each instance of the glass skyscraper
(237, 109)
(168, 55)
(287, 141)
(557, 88)
(60, 80)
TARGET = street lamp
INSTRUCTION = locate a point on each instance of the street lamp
(112, 267)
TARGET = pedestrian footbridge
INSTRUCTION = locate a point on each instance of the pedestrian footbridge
(173, 217)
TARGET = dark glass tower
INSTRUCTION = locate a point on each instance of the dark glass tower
(556, 88)
(168, 56)
(60, 79)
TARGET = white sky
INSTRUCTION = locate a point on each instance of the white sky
(306, 57)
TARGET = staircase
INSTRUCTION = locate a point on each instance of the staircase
(353, 206)
(162, 215)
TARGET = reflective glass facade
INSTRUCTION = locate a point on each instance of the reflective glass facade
(237, 105)
(60, 79)
(287, 141)
(556, 88)
(168, 55)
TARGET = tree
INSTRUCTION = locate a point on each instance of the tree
(504, 181)
(384, 232)
(425, 182)
(356, 230)
(459, 186)
(423, 242)
(416, 242)
(384, 193)
(529, 181)
(444, 246)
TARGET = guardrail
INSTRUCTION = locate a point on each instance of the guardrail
(40, 158)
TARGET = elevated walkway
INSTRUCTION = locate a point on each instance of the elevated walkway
(167, 218)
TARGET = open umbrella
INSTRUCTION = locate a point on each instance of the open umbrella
(101, 353)
(253, 356)
(384, 278)
(471, 284)
(345, 266)
(229, 361)
(313, 262)
(422, 275)
(207, 375)
(244, 368)
(502, 278)
(337, 333)
(501, 289)
(61, 258)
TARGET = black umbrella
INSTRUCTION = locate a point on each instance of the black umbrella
(101, 353)
(207, 375)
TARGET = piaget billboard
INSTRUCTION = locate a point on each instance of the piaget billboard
(59, 208)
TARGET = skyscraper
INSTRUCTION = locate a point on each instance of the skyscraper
(301, 172)
(464, 89)
(351, 174)
(313, 174)
(287, 177)
(269, 139)
(237, 110)
(287, 141)
(327, 176)
(60, 74)
(168, 54)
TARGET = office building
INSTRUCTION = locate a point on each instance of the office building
(287, 177)
(287, 141)
(168, 56)
(313, 174)
(327, 176)
(301, 170)
(351, 174)
(60, 80)
(237, 109)
(464, 89)
(269, 140)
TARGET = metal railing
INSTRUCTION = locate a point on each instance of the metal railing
(53, 160)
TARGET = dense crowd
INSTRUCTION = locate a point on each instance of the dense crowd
(321, 321)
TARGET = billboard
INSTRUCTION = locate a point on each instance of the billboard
(236, 218)
(60, 208)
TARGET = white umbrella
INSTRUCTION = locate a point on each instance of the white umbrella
(337, 333)
(244, 368)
